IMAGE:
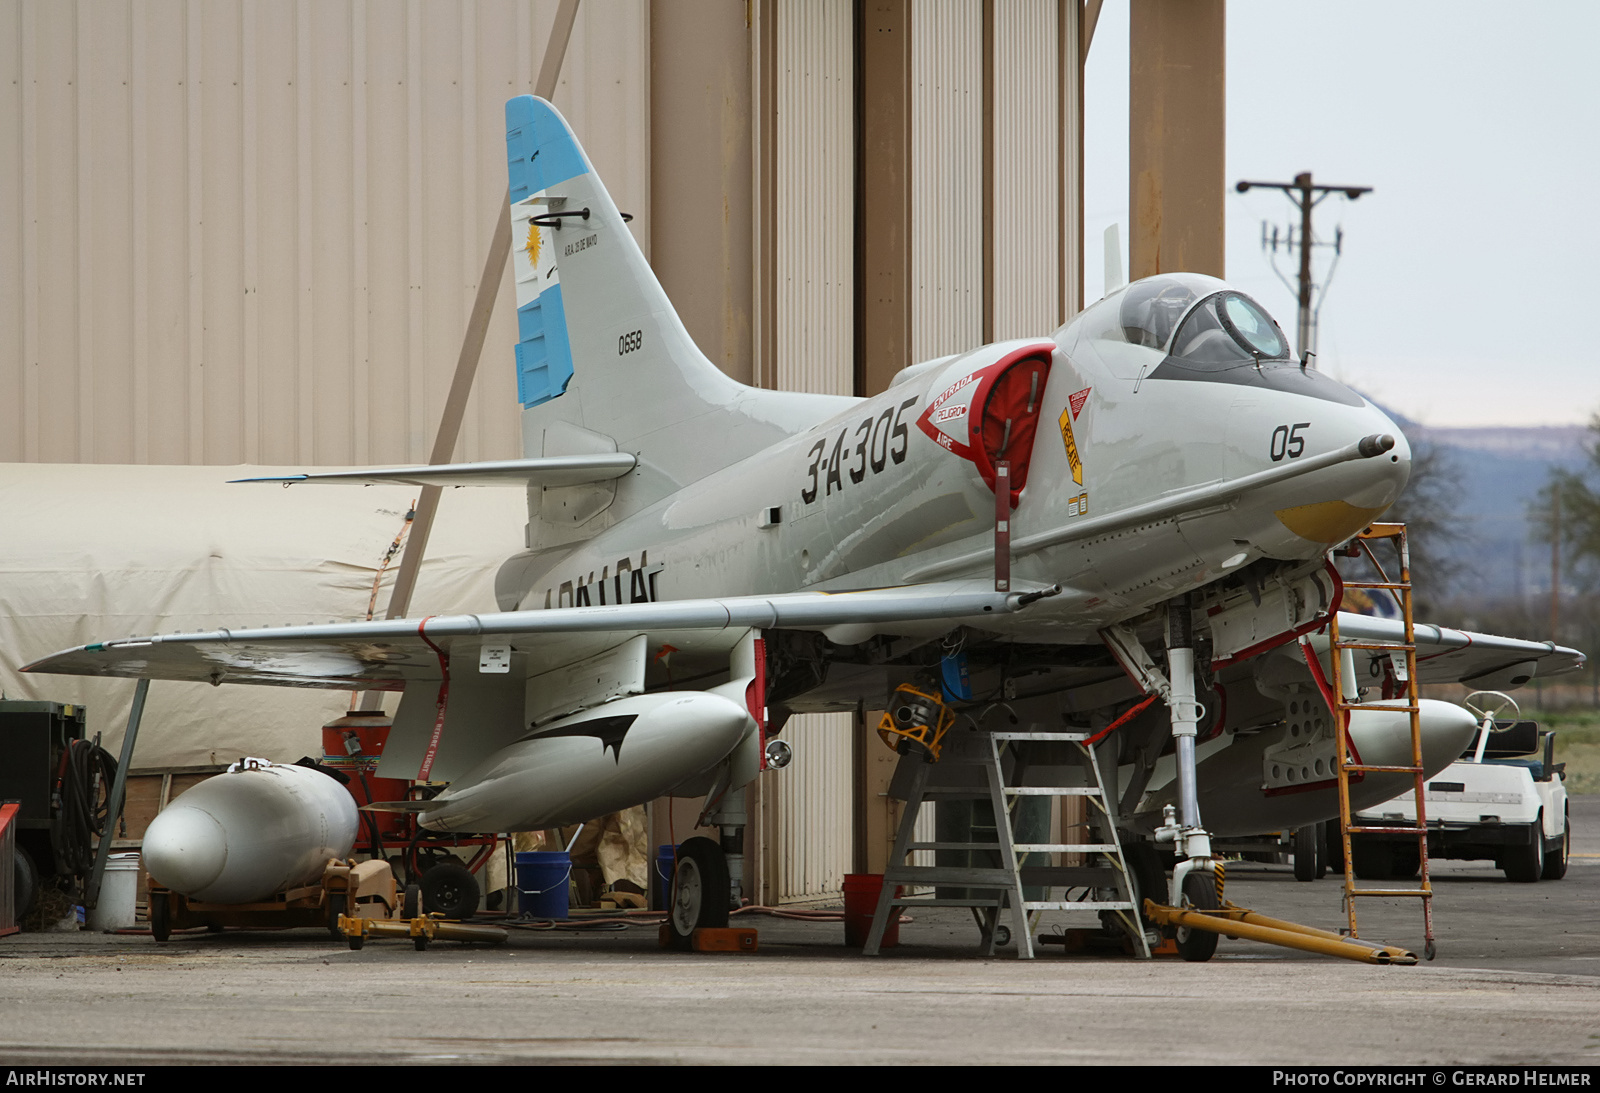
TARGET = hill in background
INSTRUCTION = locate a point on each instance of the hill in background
(1498, 471)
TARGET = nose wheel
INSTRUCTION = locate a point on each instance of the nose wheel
(1200, 894)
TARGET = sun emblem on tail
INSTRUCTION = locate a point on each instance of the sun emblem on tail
(532, 246)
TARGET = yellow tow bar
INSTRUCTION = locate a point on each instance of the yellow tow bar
(422, 931)
(1234, 921)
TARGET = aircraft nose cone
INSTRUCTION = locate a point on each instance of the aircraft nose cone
(1362, 489)
(1447, 730)
(185, 849)
(1383, 736)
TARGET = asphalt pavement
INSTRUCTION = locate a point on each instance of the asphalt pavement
(1516, 981)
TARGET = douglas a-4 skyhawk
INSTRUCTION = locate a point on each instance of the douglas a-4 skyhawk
(1141, 503)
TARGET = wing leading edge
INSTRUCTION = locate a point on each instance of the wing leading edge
(1462, 656)
(385, 655)
(549, 471)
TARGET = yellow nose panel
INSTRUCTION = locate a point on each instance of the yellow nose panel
(1327, 521)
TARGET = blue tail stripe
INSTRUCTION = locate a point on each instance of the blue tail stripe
(540, 149)
(544, 355)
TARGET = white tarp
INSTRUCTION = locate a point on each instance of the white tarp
(90, 552)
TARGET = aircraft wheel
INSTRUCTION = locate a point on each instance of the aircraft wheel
(1555, 860)
(1200, 893)
(1307, 854)
(1333, 846)
(1371, 859)
(338, 904)
(25, 887)
(160, 916)
(1524, 864)
(1404, 861)
(450, 889)
(699, 891)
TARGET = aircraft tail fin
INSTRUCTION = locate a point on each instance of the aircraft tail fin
(603, 361)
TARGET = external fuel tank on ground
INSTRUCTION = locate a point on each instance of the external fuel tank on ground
(256, 830)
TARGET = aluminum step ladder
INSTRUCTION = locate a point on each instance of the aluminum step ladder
(992, 889)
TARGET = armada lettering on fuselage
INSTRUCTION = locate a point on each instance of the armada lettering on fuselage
(626, 582)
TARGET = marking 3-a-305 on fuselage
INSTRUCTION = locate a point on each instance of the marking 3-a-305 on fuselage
(1171, 470)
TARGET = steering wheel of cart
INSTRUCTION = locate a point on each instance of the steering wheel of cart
(1488, 711)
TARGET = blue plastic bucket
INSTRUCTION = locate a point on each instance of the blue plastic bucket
(661, 877)
(542, 877)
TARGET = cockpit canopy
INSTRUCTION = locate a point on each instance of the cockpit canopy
(1188, 326)
(1197, 319)
(1149, 310)
(1229, 328)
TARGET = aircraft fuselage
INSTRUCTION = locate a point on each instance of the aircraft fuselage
(873, 497)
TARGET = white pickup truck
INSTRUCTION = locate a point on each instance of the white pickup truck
(1504, 800)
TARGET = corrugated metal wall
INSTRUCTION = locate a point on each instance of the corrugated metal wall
(815, 125)
(946, 178)
(815, 316)
(1027, 141)
(816, 820)
(250, 231)
(1069, 27)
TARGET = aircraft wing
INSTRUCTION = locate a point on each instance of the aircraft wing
(384, 655)
(550, 471)
(1483, 661)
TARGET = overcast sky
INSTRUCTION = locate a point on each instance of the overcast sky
(1467, 292)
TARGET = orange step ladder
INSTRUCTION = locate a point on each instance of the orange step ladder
(1350, 767)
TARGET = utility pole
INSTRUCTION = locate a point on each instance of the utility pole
(1306, 195)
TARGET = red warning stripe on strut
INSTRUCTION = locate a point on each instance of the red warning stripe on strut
(444, 698)
(1127, 716)
(1341, 724)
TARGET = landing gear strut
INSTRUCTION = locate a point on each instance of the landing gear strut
(1193, 882)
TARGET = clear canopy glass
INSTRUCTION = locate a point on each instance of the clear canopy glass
(1227, 329)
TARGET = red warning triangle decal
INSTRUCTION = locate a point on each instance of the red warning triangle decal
(1078, 400)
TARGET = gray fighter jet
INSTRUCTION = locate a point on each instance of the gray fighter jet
(1045, 513)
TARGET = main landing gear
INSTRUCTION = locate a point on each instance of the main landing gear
(700, 889)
